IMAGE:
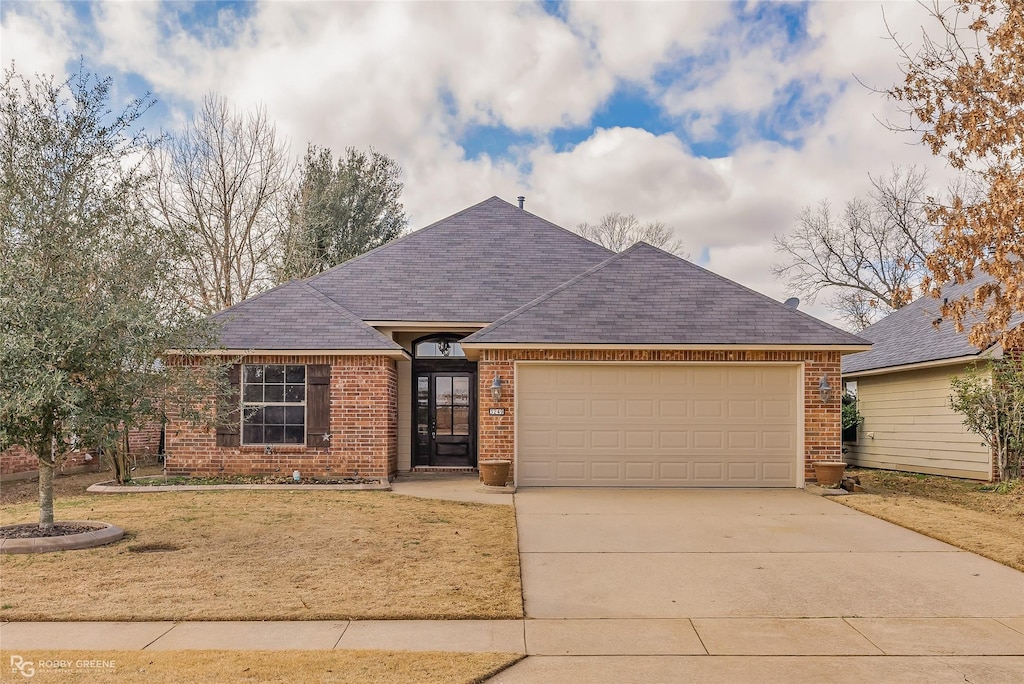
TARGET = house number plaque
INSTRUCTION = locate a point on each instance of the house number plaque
(496, 411)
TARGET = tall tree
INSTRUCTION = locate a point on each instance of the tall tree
(220, 185)
(870, 257)
(964, 92)
(84, 300)
(339, 210)
(618, 231)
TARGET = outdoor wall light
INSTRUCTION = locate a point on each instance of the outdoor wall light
(496, 388)
(825, 389)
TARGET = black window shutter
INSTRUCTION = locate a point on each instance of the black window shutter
(229, 429)
(318, 405)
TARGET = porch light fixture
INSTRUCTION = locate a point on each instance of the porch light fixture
(824, 389)
(496, 388)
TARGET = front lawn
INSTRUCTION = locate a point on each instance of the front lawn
(342, 667)
(964, 513)
(271, 555)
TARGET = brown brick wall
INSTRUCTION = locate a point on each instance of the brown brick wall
(142, 442)
(364, 429)
(822, 423)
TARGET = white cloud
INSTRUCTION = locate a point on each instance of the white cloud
(633, 38)
(36, 36)
(409, 78)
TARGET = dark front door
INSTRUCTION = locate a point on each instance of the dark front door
(445, 424)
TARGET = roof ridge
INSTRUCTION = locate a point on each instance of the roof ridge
(551, 293)
(351, 317)
(254, 297)
(561, 228)
(403, 238)
(763, 296)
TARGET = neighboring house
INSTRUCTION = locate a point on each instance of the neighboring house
(17, 464)
(496, 334)
(903, 393)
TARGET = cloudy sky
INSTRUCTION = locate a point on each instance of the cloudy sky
(720, 119)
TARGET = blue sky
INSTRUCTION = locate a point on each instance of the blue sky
(720, 119)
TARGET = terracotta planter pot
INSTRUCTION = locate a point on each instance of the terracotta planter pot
(829, 473)
(494, 473)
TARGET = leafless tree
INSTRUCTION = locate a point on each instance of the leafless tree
(618, 231)
(218, 188)
(870, 258)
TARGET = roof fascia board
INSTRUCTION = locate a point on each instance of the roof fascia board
(921, 365)
(427, 325)
(626, 345)
(473, 349)
(396, 353)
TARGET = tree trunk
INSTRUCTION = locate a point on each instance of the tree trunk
(46, 488)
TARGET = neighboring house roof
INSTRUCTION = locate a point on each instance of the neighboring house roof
(476, 265)
(646, 296)
(917, 334)
(295, 316)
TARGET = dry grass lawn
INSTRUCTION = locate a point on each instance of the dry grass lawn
(958, 512)
(25, 491)
(271, 555)
(173, 667)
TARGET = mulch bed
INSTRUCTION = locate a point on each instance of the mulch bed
(35, 532)
(248, 480)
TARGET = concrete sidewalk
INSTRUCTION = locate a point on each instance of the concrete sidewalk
(588, 637)
(660, 586)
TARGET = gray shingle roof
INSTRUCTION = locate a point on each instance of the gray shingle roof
(295, 316)
(476, 265)
(909, 335)
(646, 296)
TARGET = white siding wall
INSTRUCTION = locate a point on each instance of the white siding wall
(913, 427)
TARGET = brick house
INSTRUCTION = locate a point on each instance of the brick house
(496, 334)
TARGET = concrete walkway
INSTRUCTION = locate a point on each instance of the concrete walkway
(695, 585)
(742, 585)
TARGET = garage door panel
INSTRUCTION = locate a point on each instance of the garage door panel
(642, 471)
(676, 471)
(606, 439)
(673, 439)
(781, 409)
(742, 440)
(606, 470)
(742, 471)
(659, 425)
(673, 408)
(707, 440)
(639, 439)
(605, 408)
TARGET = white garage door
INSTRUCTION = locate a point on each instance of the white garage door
(620, 425)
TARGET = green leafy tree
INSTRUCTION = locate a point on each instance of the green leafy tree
(339, 210)
(86, 308)
(991, 399)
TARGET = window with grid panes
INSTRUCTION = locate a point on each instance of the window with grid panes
(273, 404)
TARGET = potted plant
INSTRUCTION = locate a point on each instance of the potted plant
(829, 473)
(494, 472)
(851, 418)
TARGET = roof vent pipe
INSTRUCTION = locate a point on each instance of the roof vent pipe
(522, 201)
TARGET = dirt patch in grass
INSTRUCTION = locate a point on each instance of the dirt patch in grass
(958, 512)
(64, 486)
(272, 555)
(172, 667)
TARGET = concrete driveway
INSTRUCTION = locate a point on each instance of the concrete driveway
(744, 585)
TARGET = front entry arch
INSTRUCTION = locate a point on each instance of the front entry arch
(444, 403)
